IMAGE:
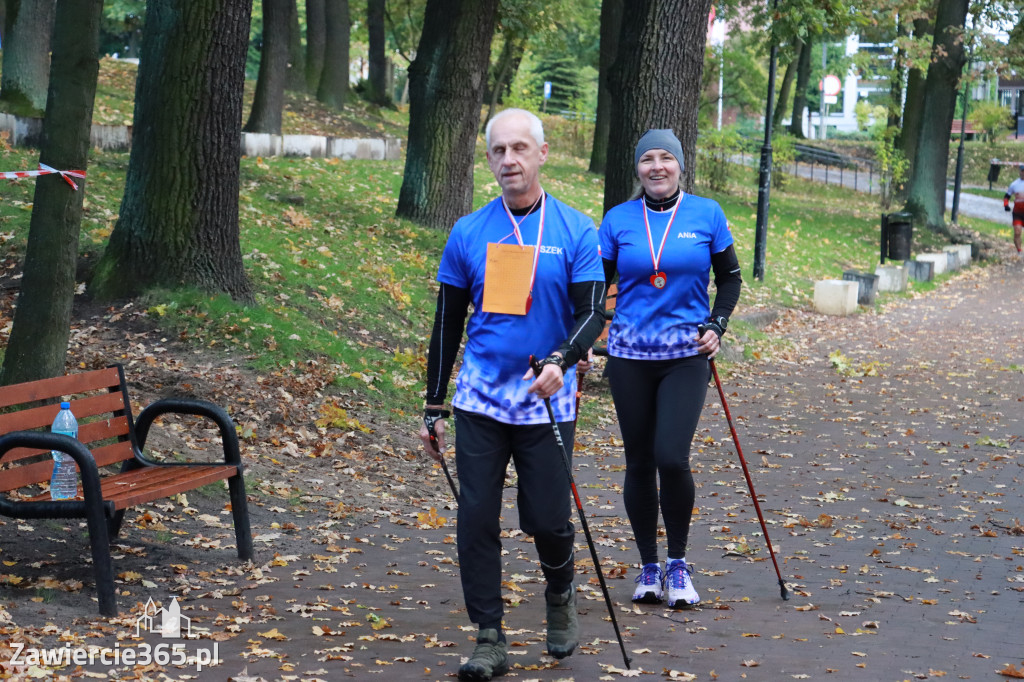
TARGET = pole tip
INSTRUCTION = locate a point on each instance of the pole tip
(785, 592)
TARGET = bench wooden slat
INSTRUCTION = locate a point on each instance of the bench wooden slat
(59, 387)
(42, 417)
(153, 483)
(16, 477)
(87, 433)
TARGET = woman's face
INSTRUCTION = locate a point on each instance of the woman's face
(659, 173)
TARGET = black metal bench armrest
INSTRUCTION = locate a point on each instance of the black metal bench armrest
(199, 408)
(43, 440)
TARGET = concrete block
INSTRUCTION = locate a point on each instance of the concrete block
(963, 254)
(939, 261)
(867, 285)
(922, 271)
(892, 277)
(835, 296)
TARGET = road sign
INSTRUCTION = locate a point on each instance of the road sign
(831, 85)
(547, 89)
(831, 99)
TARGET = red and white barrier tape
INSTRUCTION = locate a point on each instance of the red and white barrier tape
(44, 170)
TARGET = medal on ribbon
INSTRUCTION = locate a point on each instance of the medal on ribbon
(659, 279)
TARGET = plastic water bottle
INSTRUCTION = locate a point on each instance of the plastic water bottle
(64, 481)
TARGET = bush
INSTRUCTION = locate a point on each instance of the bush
(990, 118)
(783, 154)
(714, 160)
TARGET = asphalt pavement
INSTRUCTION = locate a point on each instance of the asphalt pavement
(887, 451)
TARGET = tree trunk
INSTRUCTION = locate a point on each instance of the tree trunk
(333, 89)
(914, 103)
(504, 71)
(803, 76)
(380, 85)
(26, 60)
(42, 320)
(896, 81)
(446, 85)
(611, 25)
(296, 81)
(927, 195)
(268, 100)
(782, 106)
(316, 38)
(656, 83)
(178, 222)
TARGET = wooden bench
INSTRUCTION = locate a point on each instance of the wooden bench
(99, 400)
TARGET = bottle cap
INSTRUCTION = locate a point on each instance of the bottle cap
(65, 405)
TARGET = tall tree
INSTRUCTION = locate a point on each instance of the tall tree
(380, 82)
(296, 55)
(782, 105)
(333, 88)
(42, 320)
(26, 60)
(268, 99)
(927, 193)
(316, 38)
(803, 78)
(913, 105)
(657, 84)
(512, 50)
(611, 22)
(178, 222)
(446, 85)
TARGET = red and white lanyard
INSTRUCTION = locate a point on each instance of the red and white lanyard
(519, 236)
(655, 259)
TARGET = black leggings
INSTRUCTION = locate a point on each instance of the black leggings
(658, 403)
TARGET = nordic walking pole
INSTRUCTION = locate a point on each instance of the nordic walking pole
(583, 517)
(746, 473)
(432, 431)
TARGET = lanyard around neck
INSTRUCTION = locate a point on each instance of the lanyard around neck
(655, 259)
(519, 236)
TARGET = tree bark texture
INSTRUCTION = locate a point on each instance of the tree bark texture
(26, 60)
(296, 81)
(380, 83)
(333, 89)
(42, 320)
(178, 222)
(611, 24)
(927, 195)
(268, 99)
(656, 83)
(316, 38)
(803, 76)
(446, 85)
(782, 105)
(913, 105)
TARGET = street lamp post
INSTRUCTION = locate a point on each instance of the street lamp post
(764, 182)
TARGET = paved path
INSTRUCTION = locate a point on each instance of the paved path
(892, 501)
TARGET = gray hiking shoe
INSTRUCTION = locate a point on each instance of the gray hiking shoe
(563, 625)
(489, 659)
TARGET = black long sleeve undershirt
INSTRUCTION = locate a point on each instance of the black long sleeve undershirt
(450, 323)
(728, 280)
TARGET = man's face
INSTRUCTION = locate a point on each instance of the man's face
(515, 157)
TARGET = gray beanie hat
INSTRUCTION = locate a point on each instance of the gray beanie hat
(658, 138)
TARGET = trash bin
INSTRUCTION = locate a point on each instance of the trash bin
(897, 233)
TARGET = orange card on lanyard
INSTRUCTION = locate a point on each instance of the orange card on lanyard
(511, 270)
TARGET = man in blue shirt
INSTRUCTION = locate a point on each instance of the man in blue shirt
(530, 266)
